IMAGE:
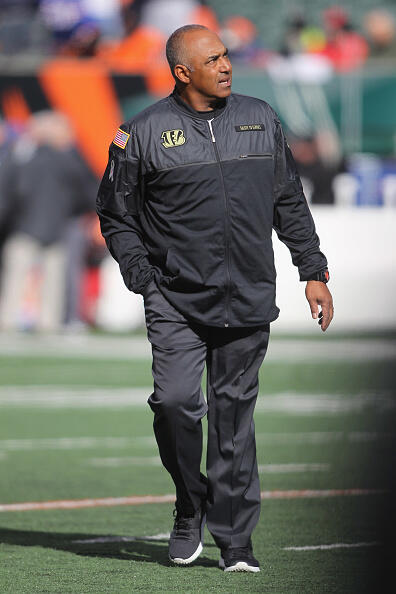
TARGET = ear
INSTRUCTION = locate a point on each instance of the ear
(182, 73)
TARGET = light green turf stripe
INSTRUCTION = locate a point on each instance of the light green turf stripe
(113, 398)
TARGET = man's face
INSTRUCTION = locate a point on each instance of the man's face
(211, 72)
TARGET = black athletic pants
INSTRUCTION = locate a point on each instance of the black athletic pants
(233, 357)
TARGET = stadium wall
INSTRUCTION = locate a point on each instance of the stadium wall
(360, 246)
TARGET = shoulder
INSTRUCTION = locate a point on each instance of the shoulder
(252, 106)
(246, 101)
(152, 113)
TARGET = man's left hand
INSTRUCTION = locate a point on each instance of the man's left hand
(317, 294)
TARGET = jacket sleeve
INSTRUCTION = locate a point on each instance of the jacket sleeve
(119, 203)
(293, 221)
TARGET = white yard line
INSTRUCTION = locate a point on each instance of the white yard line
(149, 499)
(156, 461)
(110, 539)
(73, 396)
(319, 437)
(302, 404)
(128, 347)
(292, 468)
(166, 535)
(54, 396)
(307, 437)
(74, 443)
(148, 441)
(125, 461)
(337, 545)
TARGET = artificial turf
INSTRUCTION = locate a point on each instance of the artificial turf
(353, 448)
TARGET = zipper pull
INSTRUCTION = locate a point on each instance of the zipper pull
(211, 129)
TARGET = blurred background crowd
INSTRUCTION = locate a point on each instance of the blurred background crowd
(72, 70)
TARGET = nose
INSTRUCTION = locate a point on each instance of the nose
(225, 64)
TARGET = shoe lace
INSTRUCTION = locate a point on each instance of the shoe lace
(182, 523)
(239, 552)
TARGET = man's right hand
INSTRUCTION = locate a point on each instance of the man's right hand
(317, 294)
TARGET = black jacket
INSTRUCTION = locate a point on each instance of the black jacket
(193, 203)
(42, 191)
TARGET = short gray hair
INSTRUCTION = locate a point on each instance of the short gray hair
(175, 48)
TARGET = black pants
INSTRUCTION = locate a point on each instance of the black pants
(233, 357)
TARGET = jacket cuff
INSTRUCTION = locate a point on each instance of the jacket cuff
(306, 276)
(139, 277)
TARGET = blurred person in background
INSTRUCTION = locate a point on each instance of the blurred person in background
(43, 185)
(241, 37)
(298, 75)
(381, 33)
(301, 36)
(317, 174)
(168, 15)
(75, 31)
(345, 47)
(5, 144)
(147, 24)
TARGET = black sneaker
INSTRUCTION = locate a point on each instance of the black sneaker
(239, 559)
(186, 539)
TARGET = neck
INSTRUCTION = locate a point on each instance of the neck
(198, 102)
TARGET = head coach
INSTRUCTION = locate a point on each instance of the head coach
(192, 190)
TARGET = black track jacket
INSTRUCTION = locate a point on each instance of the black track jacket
(192, 202)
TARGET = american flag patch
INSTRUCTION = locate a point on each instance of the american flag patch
(121, 138)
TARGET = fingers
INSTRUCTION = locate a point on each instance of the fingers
(318, 294)
(313, 304)
(326, 315)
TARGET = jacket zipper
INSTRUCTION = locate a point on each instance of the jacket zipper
(257, 156)
(227, 225)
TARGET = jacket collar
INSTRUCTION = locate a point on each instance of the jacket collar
(176, 100)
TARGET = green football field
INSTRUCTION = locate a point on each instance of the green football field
(76, 438)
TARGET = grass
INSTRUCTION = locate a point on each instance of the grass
(38, 549)
(333, 376)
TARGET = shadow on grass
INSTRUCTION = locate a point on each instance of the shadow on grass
(99, 545)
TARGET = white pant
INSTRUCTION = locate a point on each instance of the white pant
(21, 252)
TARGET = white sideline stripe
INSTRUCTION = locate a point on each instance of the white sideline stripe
(125, 461)
(128, 347)
(303, 404)
(156, 461)
(73, 396)
(143, 441)
(147, 499)
(166, 535)
(319, 437)
(74, 443)
(106, 539)
(312, 437)
(291, 468)
(337, 545)
(48, 396)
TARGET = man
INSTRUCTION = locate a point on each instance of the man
(192, 190)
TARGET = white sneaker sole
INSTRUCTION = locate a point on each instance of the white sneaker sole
(180, 561)
(240, 566)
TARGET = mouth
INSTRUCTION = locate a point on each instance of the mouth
(225, 82)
